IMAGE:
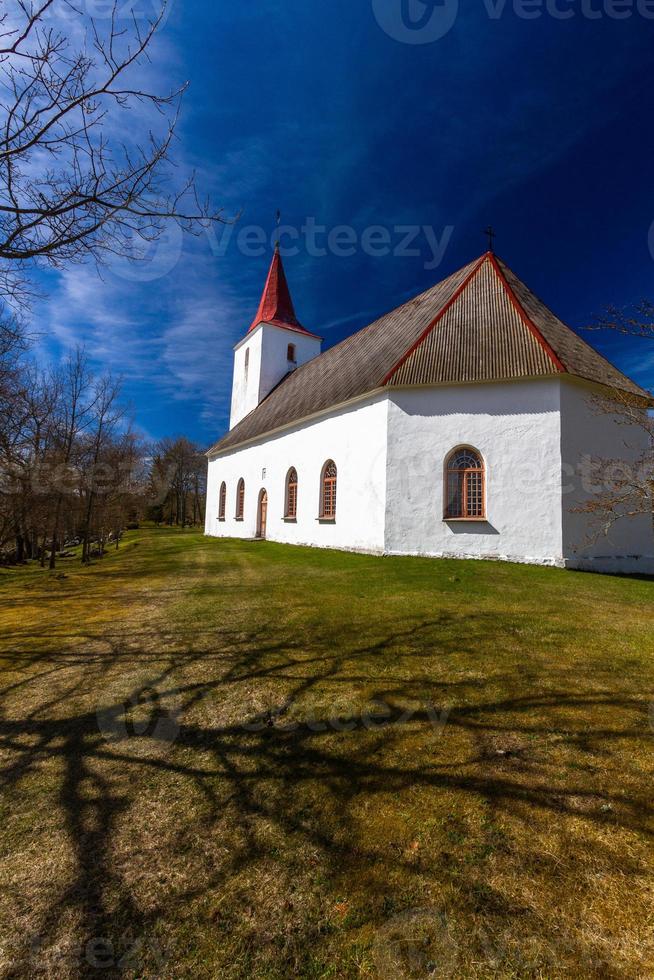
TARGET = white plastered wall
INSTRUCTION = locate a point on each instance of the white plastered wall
(354, 437)
(516, 428)
(245, 387)
(268, 363)
(390, 452)
(588, 435)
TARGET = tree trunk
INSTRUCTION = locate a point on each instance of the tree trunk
(55, 534)
(86, 530)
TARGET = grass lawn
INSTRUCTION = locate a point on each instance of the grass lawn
(240, 759)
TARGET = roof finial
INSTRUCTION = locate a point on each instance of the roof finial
(490, 231)
(278, 219)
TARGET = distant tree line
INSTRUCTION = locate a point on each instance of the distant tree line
(72, 471)
(177, 482)
(87, 173)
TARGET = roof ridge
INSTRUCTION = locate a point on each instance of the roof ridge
(441, 313)
(524, 316)
(575, 333)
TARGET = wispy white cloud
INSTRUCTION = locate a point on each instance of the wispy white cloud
(170, 336)
(639, 365)
(94, 313)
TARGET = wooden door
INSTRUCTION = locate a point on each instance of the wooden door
(263, 514)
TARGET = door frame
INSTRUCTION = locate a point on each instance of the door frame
(262, 514)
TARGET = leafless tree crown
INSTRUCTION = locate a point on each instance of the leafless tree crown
(81, 173)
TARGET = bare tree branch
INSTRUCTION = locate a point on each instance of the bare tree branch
(82, 173)
(617, 489)
(636, 320)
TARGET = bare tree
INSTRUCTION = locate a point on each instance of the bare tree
(72, 471)
(178, 481)
(86, 172)
(74, 183)
(11, 419)
(636, 320)
(618, 488)
(125, 500)
(27, 441)
(13, 344)
(73, 419)
(624, 490)
(105, 415)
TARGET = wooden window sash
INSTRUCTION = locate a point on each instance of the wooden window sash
(329, 488)
(291, 498)
(240, 500)
(464, 480)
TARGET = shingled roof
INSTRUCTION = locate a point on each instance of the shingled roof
(480, 324)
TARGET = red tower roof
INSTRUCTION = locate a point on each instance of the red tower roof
(276, 305)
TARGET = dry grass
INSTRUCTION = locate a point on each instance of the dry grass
(244, 760)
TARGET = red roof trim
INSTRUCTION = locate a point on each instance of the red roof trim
(286, 326)
(441, 313)
(526, 319)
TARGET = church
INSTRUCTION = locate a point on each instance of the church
(457, 425)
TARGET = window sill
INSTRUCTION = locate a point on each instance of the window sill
(239, 520)
(465, 520)
(221, 519)
(290, 520)
(326, 520)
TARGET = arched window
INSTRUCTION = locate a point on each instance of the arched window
(464, 485)
(222, 501)
(247, 363)
(240, 499)
(291, 494)
(328, 490)
(290, 353)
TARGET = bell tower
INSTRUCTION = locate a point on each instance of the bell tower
(275, 344)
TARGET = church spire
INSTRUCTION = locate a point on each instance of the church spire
(276, 305)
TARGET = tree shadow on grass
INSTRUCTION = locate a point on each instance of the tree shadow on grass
(283, 778)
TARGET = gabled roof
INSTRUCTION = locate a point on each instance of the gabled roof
(480, 324)
(276, 305)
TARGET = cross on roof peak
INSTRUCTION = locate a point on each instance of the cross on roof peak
(490, 231)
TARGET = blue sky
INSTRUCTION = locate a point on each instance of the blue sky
(539, 125)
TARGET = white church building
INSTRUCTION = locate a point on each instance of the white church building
(457, 425)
